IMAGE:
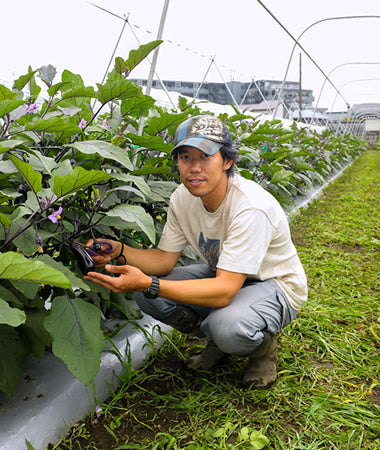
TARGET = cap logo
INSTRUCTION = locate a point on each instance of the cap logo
(208, 127)
(206, 133)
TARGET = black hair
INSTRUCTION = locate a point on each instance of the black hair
(229, 153)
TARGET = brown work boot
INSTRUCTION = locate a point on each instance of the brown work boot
(206, 360)
(185, 320)
(262, 364)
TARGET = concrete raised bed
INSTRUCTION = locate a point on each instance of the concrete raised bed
(49, 399)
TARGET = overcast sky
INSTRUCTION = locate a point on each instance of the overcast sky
(245, 41)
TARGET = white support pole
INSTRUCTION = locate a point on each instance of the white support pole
(204, 78)
(349, 82)
(154, 61)
(246, 92)
(262, 95)
(158, 77)
(228, 88)
(297, 43)
(331, 71)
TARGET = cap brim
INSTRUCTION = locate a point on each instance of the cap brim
(205, 145)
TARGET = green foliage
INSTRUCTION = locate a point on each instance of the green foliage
(74, 327)
(289, 162)
(16, 267)
(66, 169)
(72, 167)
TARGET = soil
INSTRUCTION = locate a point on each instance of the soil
(137, 417)
(147, 407)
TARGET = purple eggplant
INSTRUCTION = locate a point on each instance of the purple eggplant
(85, 262)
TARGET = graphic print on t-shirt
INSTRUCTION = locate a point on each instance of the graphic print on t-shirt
(210, 249)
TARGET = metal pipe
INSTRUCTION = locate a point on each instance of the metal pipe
(246, 92)
(158, 77)
(260, 92)
(115, 48)
(203, 80)
(296, 42)
(228, 88)
(154, 62)
(331, 71)
(262, 95)
(349, 82)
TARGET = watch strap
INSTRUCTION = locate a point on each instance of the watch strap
(154, 290)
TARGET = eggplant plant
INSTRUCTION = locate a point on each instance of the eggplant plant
(289, 161)
(73, 166)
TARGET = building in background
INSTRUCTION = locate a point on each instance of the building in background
(259, 98)
(256, 96)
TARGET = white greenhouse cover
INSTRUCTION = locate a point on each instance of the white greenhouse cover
(162, 99)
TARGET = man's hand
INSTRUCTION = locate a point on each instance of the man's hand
(130, 279)
(108, 250)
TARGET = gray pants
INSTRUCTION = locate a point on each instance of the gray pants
(237, 328)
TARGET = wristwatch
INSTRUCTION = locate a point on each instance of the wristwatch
(154, 290)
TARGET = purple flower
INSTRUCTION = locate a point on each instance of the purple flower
(33, 108)
(98, 413)
(127, 149)
(82, 124)
(56, 215)
(105, 123)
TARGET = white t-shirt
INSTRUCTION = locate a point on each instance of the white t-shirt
(249, 233)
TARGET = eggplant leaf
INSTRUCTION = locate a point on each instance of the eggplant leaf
(33, 178)
(77, 180)
(105, 150)
(11, 316)
(78, 340)
(14, 266)
(135, 214)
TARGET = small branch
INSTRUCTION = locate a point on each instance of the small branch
(20, 231)
(7, 125)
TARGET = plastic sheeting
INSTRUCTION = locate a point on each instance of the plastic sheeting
(49, 399)
(163, 100)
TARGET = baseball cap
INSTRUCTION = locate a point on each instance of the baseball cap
(207, 133)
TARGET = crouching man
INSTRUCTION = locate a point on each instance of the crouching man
(250, 283)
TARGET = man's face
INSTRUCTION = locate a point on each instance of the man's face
(203, 175)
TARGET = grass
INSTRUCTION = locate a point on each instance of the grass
(327, 394)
